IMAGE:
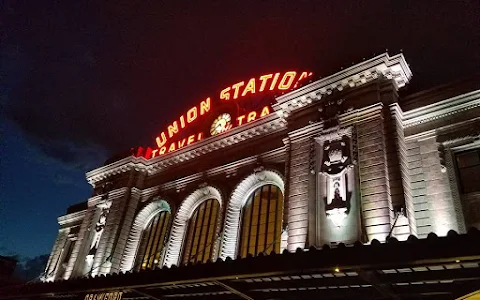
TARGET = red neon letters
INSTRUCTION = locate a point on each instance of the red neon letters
(191, 116)
(252, 116)
(177, 145)
(267, 82)
(270, 80)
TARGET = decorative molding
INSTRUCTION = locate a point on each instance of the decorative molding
(238, 199)
(391, 67)
(360, 115)
(71, 218)
(184, 213)
(334, 134)
(267, 125)
(441, 109)
(141, 221)
(112, 195)
(304, 133)
(115, 168)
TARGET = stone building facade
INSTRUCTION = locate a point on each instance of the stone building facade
(342, 159)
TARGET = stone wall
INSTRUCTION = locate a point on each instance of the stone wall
(377, 209)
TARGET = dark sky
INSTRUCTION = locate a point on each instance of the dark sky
(81, 80)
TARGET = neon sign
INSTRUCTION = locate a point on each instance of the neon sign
(269, 81)
(176, 135)
(190, 116)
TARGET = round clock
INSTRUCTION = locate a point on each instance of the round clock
(221, 124)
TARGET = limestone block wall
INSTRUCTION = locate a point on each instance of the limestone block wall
(434, 207)
(418, 189)
(377, 210)
(396, 166)
(438, 194)
(298, 197)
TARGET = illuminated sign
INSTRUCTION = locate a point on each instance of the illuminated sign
(224, 113)
(104, 296)
(269, 82)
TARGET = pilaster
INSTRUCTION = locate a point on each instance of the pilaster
(377, 209)
(406, 224)
(300, 143)
(131, 207)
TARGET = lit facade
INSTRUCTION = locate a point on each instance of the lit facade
(338, 160)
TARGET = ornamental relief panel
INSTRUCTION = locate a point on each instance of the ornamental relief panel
(336, 160)
(337, 209)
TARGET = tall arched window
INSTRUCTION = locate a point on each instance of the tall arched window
(153, 241)
(200, 238)
(262, 221)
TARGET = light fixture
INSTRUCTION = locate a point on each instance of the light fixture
(337, 270)
(337, 215)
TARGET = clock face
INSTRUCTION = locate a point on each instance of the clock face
(221, 124)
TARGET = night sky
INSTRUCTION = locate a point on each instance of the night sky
(83, 80)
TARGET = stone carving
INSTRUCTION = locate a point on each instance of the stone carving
(330, 110)
(336, 156)
(336, 161)
(100, 224)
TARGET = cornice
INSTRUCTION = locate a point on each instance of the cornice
(425, 135)
(228, 170)
(146, 193)
(391, 67)
(441, 109)
(334, 134)
(362, 114)
(112, 195)
(71, 218)
(120, 166)
(264, 126)
(463, 143)
(305, 132)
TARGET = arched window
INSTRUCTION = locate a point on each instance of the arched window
(262, 221)
(153, 241)
(200, 238)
